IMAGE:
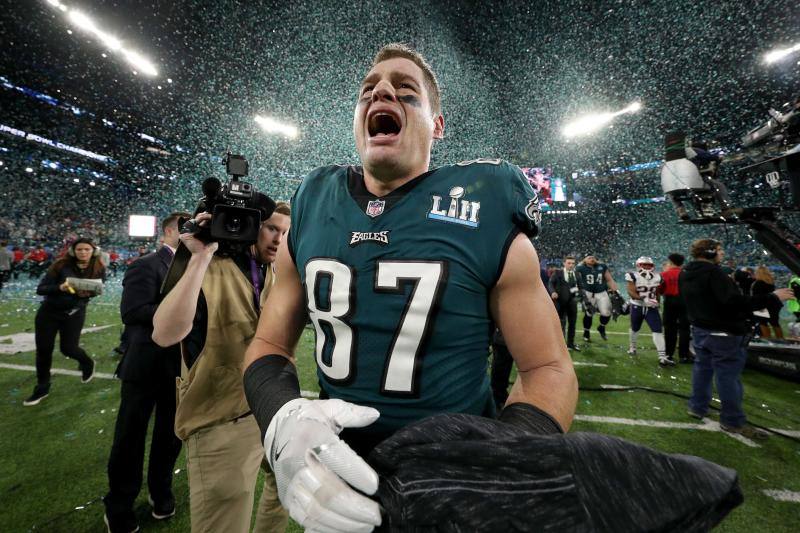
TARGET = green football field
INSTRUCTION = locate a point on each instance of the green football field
(53, 456)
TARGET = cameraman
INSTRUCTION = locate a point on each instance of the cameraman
(213, 312)
(719, 316)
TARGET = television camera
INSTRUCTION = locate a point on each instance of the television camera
(771, 153)
(237, 210)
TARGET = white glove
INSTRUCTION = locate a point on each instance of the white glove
(650, 302)
(316, 471)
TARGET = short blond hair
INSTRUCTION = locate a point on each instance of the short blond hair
(392, 50)
(283, 208)
(764, 274)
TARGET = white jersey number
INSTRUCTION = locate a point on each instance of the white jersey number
(336, 336)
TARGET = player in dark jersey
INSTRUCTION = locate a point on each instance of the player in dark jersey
(595, 280)
(403, 271)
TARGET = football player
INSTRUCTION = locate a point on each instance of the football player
(402, 269)
(643, 286)
(595, 280)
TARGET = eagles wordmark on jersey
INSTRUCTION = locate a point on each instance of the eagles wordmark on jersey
(397, 287)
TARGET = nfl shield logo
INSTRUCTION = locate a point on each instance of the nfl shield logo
(375, 207)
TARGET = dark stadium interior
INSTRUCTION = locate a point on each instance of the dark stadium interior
(88, 139)
(508, 85)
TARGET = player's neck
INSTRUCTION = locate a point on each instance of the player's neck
(382, 183)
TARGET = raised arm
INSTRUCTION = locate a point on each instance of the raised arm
(522, 310)
(175, 314)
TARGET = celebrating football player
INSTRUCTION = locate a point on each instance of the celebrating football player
(643, 286)
(595, 280)
(402, 269)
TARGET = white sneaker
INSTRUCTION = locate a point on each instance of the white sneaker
(665, 361)
(631, 351)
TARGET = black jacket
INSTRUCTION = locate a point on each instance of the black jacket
(55, 298)
(457, 472)
(144, 360)
(560, 285)
(714, 302)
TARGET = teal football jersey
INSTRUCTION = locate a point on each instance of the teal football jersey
(593, 278)
(397, 287)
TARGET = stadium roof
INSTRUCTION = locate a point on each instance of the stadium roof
(512, 72)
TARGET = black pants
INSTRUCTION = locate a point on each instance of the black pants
(676, 327)
(568, 315)
(68, 325)
(125, 464)
(4, 275)
(501, 373)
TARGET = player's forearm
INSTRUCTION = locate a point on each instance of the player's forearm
(172, 321)
(259, 348)
(632, 293)
(552, 388)
(279, 328)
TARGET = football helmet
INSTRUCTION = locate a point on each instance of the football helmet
(645, 263)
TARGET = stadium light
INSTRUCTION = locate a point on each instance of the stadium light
(141, 226)
(270, 125)
(594, 122)
(84, 23)
(777, 55)
(56, 3)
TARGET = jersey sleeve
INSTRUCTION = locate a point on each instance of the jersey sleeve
(630, 277)
(526, 210)
(310, 183)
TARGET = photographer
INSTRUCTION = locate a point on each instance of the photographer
(63, 312)
(719, 315)
(213, 312)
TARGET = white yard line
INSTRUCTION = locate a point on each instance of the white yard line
(25, 342)
(586, 363)
(783, 495)
(59, 371)
(706, 425)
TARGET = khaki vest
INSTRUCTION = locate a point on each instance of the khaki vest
(211, 392)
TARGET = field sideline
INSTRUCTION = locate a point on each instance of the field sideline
(53, 462)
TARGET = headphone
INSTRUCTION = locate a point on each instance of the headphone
(711, 253)
(95, 249)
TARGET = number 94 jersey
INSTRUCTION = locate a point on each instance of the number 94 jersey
(646, 284)
(397, 287)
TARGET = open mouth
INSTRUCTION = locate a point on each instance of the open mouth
(382, 124)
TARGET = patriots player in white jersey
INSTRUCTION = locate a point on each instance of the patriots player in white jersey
(643, 289)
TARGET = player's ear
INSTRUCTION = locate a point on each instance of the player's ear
(438, 127)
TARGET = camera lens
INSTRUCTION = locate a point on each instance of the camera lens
(233, 225)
